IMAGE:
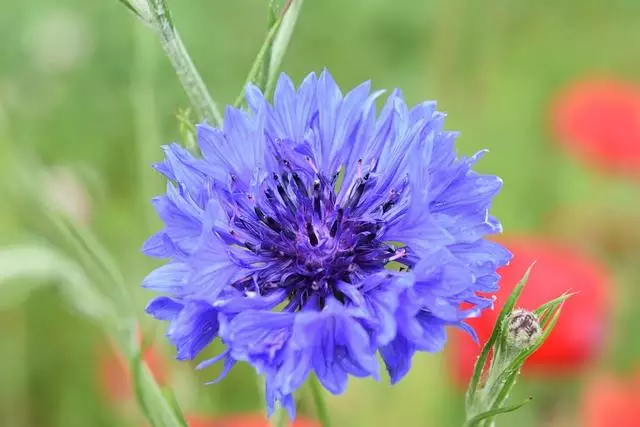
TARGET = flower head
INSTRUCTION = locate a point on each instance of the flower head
(314, 233)
(523, 329)
(578, 336)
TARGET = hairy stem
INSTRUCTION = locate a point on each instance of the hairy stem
(172, 44)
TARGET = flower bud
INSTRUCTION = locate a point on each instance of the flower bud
(523, 329)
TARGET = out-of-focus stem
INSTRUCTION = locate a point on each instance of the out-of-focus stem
(318, 399)
(144, 116)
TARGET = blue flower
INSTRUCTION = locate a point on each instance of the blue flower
(314, 233)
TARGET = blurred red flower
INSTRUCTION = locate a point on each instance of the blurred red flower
(579, 333)
(599, 121)
(609, 401)
(115, 379)
(244, 420)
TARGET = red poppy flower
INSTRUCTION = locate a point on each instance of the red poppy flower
(115, 380)
(579, 333)
(599, 121)
(609, 401)
(243, 420)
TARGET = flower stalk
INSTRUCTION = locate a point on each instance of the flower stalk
(174, 48)
(516, 336)
(318, 399)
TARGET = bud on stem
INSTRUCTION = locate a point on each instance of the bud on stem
(523, 329)
(517, 334)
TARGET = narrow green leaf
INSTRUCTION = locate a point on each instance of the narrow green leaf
(263, 73)
(155, 407)
(492, 413)
(135, 367)
(495, 334)
(44, 265)
(281, 42)
(173, 403)
(260, 58)
(24, 262)
(132, 9)
(318, 399)
(98, 259)
(551, 305)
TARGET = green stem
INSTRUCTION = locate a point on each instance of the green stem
(318, 399)
(281, 418)
(182, 63)
(260, 58)
(264, 71)
(290, 16)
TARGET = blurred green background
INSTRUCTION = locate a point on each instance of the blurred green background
(86, 90)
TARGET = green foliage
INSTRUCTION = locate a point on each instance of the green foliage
(491, 385)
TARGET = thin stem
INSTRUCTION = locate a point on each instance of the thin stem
(182, 63)
(264, 71)
(281, 418)
(290, 14)
(318, 399)
(260, 58)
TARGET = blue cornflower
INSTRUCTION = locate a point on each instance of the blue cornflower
(314, 233)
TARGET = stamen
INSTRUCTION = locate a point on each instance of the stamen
(356, 193)
(270, 194)
(313, 239)
(267, 220)
(260, 214)
(251, 247)
(393, 197)
(336, 223)
(301, 187)
(313, 165)
(316, 198)
(285, 198)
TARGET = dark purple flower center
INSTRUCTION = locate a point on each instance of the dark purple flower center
(313, 246)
